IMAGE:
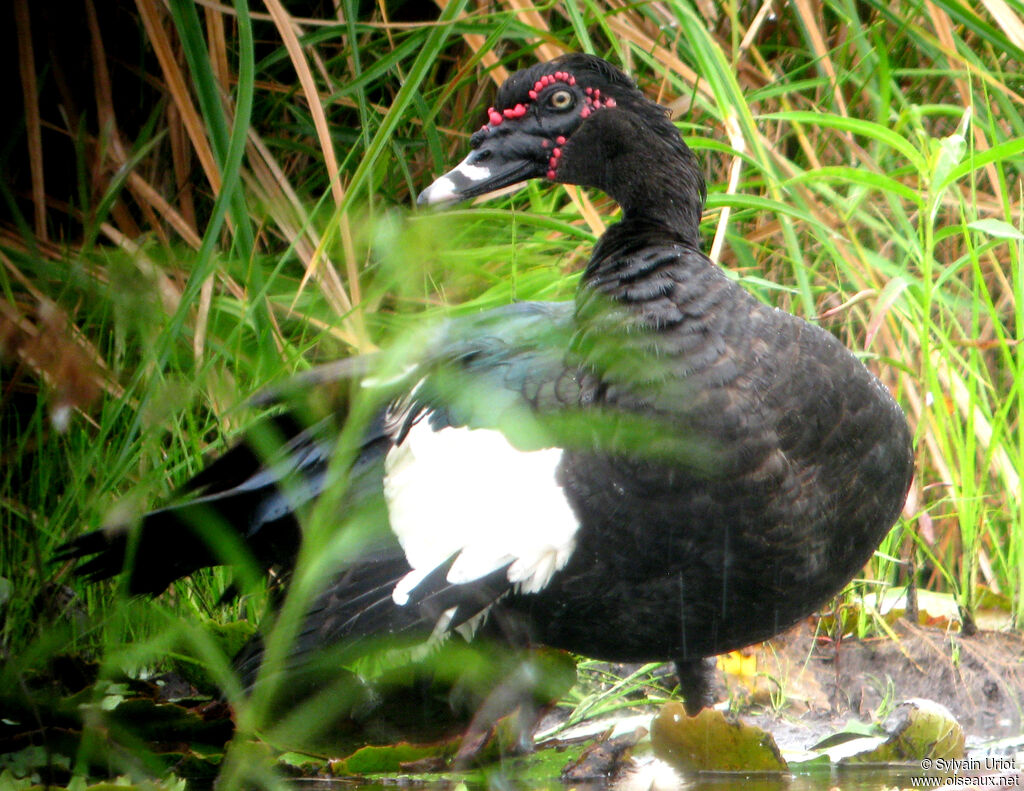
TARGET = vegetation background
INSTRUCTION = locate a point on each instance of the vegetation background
(202, 198)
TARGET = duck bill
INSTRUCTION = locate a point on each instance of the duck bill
(498, 162)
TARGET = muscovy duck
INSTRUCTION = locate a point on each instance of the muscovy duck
(666, 469)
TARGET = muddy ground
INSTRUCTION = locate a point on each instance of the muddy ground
(803, 686)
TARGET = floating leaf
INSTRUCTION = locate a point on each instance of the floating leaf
(304, 763)
(854, 729)
(170, 722)
(709, 742)
(376, 759)
(917, 729)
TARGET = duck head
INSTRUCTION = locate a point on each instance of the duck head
(579, 120)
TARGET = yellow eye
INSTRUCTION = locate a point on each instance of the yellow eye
(560, 100)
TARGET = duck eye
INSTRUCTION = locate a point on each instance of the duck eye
(560, 100)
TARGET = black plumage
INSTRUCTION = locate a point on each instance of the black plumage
(729, 467)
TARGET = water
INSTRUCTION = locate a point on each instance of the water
(870, 778)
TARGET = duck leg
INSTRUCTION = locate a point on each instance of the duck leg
(695, 678)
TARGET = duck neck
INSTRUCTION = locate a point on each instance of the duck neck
(647, 277)
(669, 195)
(639, 159)
(661, 208)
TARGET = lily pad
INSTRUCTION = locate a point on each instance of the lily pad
(377, 759)
(709, 742)
(917, 729)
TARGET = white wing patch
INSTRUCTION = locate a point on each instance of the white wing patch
(469, 493)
